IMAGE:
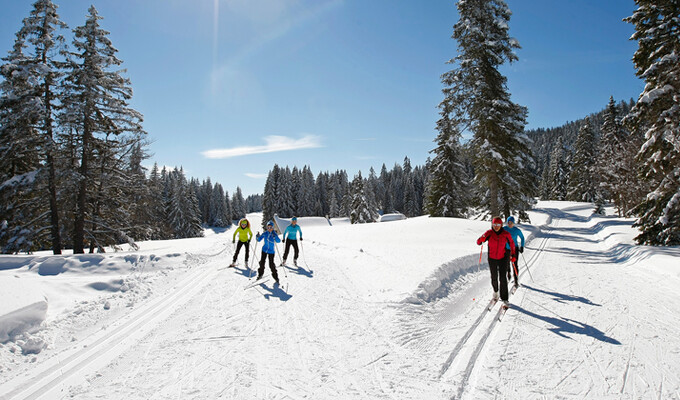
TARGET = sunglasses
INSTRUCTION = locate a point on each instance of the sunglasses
(497, 224)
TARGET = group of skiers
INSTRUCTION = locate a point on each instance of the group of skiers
(504, 244)
(269, 239)
(503, 248)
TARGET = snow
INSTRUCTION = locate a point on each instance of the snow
(394, 310)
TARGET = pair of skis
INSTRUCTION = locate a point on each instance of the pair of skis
(504, 307)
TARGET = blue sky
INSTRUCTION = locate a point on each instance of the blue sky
(230, 87)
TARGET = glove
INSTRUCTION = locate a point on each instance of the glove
(300, 238)
(514, 259)
(521, 249)
(481, 240)
(257, 236)
(233, 241)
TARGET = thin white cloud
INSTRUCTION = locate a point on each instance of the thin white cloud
(274, 144)
(255, 176)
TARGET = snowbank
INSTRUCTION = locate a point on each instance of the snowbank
(22, 309)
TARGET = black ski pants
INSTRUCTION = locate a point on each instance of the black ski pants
(238, 248)
(272, 266)
(499, 270)
(291, 242)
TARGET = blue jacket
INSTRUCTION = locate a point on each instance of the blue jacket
(270, 240)
(515, 232)
(292, 231)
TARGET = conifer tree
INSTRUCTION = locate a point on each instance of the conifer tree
(359, 211)
(611, 165)
(558, 173)
(238, 203)
(479, 99)
(37, 70)
(657, 113)
(583, 181)
(447, 193)
(97, 103)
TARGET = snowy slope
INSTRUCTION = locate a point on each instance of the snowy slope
(394, 310)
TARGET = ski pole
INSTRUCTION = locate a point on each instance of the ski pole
(280, 259)
(250, 274)
(302, 250)
(481, 250)
(527, 265)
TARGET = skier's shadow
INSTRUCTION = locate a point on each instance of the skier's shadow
(301, 271)
(247, 272)
(275, 291)
(565, 325)
(562, 298)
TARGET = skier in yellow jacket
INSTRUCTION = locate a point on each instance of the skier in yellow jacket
(244, 235)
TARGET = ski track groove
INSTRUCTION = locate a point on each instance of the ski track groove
(108, 344)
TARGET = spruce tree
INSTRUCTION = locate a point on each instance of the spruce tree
(238, 203)
(359, 211)
(447, 193)
(657, 113)
(37, 72)
(97, 103)
(480, 101)
(558, 173)
(611, 166)
(583, 179)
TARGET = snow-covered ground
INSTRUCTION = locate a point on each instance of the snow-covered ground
(393, 310)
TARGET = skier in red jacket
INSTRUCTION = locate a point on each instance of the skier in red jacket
(498, 262)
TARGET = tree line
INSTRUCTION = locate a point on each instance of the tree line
(297, 192)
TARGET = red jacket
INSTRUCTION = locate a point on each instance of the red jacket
(497, 241)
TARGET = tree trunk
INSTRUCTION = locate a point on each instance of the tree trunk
(81, 201)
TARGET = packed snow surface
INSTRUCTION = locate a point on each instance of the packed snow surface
(381, 311)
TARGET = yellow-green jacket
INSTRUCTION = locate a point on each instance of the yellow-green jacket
(244, 235)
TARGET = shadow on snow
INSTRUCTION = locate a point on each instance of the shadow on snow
(562, 326)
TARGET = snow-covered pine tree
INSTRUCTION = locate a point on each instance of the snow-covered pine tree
(35, 61)
(205, 198)
(219, 215)
(96, 101)
(182, 205)
(160, 229)
(384, 194)
(480, 98)
(322, 196)
(269, 199)
(295, 191)
(284, 195)
(610, 164)
(558, 173)
(228, 208)
(307, 196)
(359, 211)
(19, 154)
(448, 190)
(139, 195)
(657, 113)
(370, 188)
(238, 203)
(583, 184)
(254, 203)
(396, 187)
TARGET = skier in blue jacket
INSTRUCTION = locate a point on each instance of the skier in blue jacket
(268, 250)
(290, 237)
(516, 234)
